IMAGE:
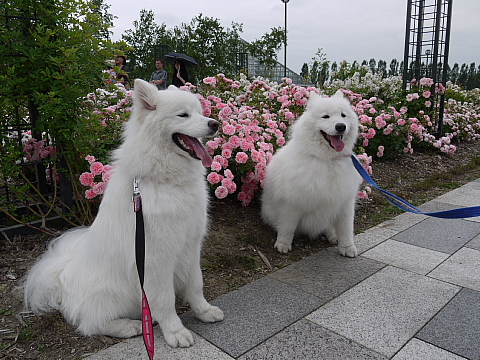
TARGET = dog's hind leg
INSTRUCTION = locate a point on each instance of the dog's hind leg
(331, 236)
(122, 328)
(105, 314)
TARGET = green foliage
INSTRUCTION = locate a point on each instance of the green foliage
(139, 44)
(265, 49)
(319, 66)
(213, 46)
(51, 54)
(6, 312)
(207, 41)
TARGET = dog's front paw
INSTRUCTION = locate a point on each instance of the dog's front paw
(211, 315)
(180, 338)
(349, 251)
(282, 247)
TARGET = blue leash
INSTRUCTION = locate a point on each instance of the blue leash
(404, 205)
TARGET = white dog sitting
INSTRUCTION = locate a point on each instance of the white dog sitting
(89, 274)
(310, 184)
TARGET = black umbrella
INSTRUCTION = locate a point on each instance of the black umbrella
(187, 60)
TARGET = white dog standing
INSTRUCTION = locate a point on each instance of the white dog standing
(310, 184)
(89, 274)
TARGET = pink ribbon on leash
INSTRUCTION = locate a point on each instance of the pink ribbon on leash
(147, 326)
(147, 321)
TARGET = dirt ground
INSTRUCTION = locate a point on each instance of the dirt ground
(238, 250)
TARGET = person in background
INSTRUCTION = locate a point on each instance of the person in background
(160, 76)
(123, 76)
(180, 76)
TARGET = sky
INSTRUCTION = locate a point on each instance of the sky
(345, 29)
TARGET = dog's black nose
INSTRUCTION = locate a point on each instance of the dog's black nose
(340, 127)
(212, 124)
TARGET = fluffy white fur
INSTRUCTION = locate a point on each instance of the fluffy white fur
(89, 274)
(310, 184)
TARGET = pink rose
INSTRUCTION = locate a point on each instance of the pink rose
(106, 176)
(86, 179)
(221, 192)
(241, 157)
(212, 144)
(90, 159)
(242, 196)
(96, 168)
(90, 194)
(228, 173)
(99, 188)
(214, 178)
(227, 153)
(228, 129)
(216, 166)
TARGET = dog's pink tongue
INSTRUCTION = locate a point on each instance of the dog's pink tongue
(200, 151)
(337, 143)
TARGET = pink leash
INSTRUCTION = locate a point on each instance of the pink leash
(147, 322)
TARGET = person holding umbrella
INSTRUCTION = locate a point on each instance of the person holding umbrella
(180, 76)
(181, 62)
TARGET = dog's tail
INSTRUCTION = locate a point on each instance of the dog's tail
(42, 287)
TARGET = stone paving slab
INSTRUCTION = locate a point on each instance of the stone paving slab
(254, 313)
(475, 243)
(443, 235)
(403, 221)
(462, 268)
(456, 327)
(372, 237)
(406, 256)
(420, 350)
(305, 340)
(327, 274)
(384, 311)
(467, 195)
(435, 205)
(134, 349)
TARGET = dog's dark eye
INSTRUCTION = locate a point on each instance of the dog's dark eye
(183, 115)
(344, 115)
(326, 116)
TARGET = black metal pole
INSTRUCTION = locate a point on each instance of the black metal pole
(285, 48)
(406, 53)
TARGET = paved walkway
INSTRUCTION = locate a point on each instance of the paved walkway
(412, 294)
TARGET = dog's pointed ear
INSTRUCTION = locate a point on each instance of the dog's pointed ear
(173, 87)
(313, 96)
(338, 94)
(145, 94)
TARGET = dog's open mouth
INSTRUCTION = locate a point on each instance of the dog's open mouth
(194, 147)
(335, 141)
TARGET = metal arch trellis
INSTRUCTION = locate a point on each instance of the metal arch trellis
(427, 41)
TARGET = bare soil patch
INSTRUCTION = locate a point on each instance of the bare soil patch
(238, 250)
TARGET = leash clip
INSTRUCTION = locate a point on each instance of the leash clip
(137, 196)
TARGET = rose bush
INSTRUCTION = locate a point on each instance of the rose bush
(255, 116)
